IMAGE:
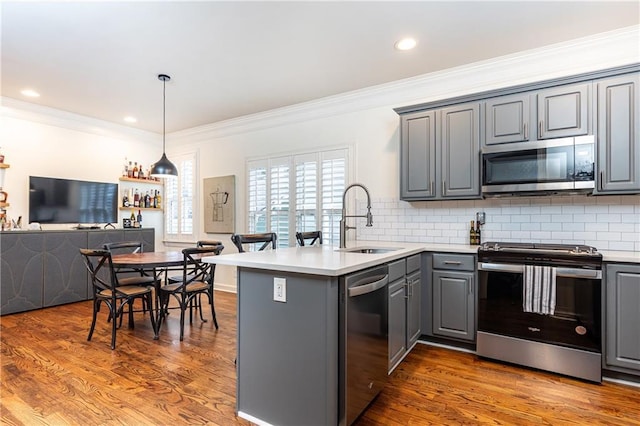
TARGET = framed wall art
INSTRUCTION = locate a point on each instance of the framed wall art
(219, 204)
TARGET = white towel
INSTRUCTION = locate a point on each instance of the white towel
(539, 289)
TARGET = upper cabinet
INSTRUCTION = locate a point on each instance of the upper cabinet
(563, 111)
(507, 119)
(618, 150)
(440, 153)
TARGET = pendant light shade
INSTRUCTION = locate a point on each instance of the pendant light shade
(164, 168)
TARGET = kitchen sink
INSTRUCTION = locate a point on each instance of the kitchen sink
(370, 250)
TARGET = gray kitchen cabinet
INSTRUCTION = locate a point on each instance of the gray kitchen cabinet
(418, 156)
(564, 111)
(618, 143)
(21, 271)
(622, 337)
(440, 153)
(507, 119)
(65, 275)
(404, 307)
(453, 299)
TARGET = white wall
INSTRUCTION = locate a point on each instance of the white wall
(39, 141)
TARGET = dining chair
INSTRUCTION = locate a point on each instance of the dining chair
(114, 295)
(197, 279)
(313, 236)
(267, 238)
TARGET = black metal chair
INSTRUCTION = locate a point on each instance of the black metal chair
(115, 296)
(197, 279)
(130, 276)
(309, 238)
(267, 238)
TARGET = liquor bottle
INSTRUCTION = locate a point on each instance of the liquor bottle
(135, 170)
(478, 234)
(136, 199)
(125, 169)
(472, 234)
(140, 172)
(139, 219)
(153, 200)
(132, 218)
(147, 200)
(125, 199)
(130, 170)
(159, 200)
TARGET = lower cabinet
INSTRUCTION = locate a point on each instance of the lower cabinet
(622, 336)
(453, 299)
(404, 307)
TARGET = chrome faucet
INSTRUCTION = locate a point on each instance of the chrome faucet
(343, 221)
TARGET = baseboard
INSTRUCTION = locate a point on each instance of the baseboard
(229, 288)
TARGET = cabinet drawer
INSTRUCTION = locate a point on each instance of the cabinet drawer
(397, 270)
(458, 262)
(413, 263)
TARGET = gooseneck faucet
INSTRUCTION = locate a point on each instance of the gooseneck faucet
(343, 221)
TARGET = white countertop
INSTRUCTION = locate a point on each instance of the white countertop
(329, 261)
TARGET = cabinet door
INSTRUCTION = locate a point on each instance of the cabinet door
(623, 316)
(453, 307)
(413, 308)
(66, 278)
(397, 321)
(21, 271)
(418, 156)
(460, 147)
(618, 163)
(507, 119)
(564, 111)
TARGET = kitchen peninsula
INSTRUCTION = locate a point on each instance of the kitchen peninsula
(291, 355)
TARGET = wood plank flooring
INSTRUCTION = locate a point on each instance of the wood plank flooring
(51, 375)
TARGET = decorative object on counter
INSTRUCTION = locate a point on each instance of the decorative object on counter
(472, 234)
(343, 221)
(164, 167)
(219, 204)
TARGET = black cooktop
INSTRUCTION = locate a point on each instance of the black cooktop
(541, 253)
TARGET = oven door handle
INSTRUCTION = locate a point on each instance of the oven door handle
(560, 272)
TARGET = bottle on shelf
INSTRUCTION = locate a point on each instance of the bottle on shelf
(130, 170)
(125, 168)
(125, 199)
(139, 220)
(135, 170)
(140, 172)
(478, 234)
(132, 217)
(158, 199)
(472, 234)
(136, 199)
(152, 201)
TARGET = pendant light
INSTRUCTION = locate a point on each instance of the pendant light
(164, 168)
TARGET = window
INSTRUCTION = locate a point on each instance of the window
(297, 193)
(179, 200)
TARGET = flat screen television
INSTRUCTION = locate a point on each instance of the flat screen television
(53, 200)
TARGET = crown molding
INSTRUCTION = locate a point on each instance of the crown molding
(606, 50)
(13, 108)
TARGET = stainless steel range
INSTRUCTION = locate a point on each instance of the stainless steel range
(539, 305)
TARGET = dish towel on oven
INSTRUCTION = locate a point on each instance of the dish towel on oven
(539, 289)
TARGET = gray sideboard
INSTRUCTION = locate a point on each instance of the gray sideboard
(39, 269)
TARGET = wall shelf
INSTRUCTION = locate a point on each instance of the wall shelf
(4, 205)
(140, 208)
(4, 166)
(147, 181)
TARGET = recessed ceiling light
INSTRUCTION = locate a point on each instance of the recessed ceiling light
(130, 119)
(406, 44)
(30, 93)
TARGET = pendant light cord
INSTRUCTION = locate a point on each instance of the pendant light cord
(164, 112)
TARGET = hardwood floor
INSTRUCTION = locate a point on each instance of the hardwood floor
(51, 375)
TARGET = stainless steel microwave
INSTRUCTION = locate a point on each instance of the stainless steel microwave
(553, 165)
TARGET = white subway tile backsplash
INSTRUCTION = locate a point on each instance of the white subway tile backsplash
(611, 222)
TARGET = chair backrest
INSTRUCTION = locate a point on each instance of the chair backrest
(100, 267)
(313, 236)
(203, 243)
(195, 270)
(265, 238)
(124, 247)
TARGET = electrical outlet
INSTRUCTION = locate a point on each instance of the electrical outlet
(280, 289)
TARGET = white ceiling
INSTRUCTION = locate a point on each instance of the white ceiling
(229, 59)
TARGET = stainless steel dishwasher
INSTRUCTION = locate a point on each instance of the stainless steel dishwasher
(363, 340)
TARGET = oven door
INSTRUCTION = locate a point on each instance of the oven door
(560, 164)
(576, 322)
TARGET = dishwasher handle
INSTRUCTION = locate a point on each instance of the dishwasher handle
(368, 285)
